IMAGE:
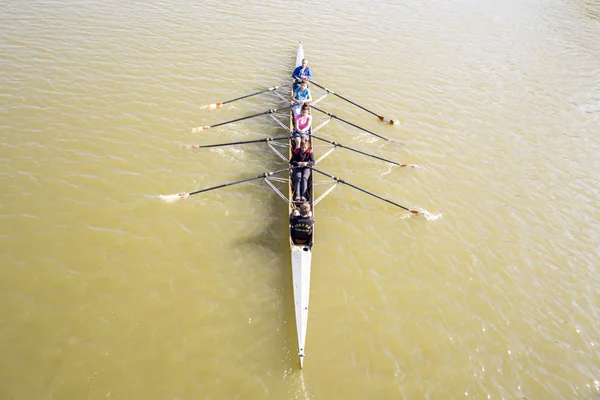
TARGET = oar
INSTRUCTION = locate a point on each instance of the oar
(364, 153)
(191, 146)
(214, 106)
(204, 128)
(335, 178)
(172, 197)
(351, 124)
(381, 118)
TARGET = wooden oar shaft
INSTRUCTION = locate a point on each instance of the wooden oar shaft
(244, 142)
(355, 150)
(263, 175)
(335, 178)
(343, 98)
(350, 123)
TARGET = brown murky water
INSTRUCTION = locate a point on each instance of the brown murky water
(107, 292)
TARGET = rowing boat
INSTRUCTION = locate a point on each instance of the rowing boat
(301, 254)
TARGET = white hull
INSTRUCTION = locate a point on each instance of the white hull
(301, 263)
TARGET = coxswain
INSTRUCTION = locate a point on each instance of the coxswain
(301, 225)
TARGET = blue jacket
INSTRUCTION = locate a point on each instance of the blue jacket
(299, 75)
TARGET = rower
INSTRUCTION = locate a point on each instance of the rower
(301, 161)
(301, 225)
(302, 71)
(302, 126)
(300, 96)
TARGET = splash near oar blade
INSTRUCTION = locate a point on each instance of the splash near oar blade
(170, 198)
(389, 121)
(213, 106)
(200, 129)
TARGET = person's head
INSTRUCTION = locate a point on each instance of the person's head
(304, 146)
(305, 111)
(304, 209)
(304, 62)
(303, 84)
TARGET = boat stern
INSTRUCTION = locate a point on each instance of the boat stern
(301, 264)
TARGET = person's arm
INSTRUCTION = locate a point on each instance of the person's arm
(308, 74)
(295, 73)
(294, 98)
(309, 97)
(311, 160)
(294, 159)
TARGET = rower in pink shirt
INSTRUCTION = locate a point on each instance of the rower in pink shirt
(303, 125)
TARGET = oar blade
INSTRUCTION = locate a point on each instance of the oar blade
(213, 106)
(200, 129)
(389, 121)
(170, 198)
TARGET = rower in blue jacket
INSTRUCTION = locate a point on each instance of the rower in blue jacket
(303, 71)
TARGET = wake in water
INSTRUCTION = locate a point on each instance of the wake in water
(300, 388)
(170, 198)
(401, 166)
(431, 217)
(420, 211)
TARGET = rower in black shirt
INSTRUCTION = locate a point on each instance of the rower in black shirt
(301, 225)
(302, 159)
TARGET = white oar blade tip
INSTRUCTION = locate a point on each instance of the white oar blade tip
(213, 106)
(200, 129)
(390, 121)
(428, 216)
(169, 198)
